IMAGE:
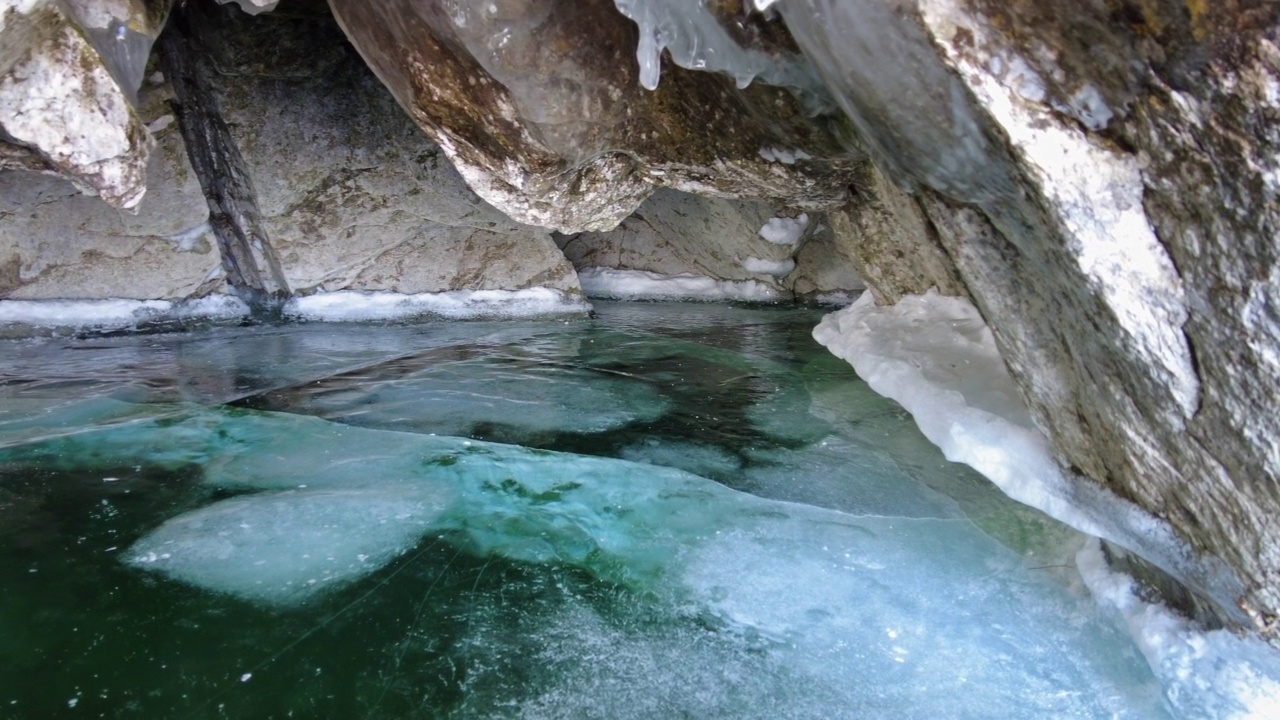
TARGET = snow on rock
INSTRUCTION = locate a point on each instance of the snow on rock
(785, 231)
(637, 285)
(936, 357)
(354, 306)
(777, 268)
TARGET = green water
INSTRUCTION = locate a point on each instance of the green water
(691, 511)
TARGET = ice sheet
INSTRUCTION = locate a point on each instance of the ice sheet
(353, 306)
(284, 547)
(912, 617)
(638, 284)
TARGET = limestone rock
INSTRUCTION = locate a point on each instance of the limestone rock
(827, 268)
(538, 105)
(56, 242)
(675, 233)
(1104, 178)
(64, 106)
(346, 191)
(893, 246)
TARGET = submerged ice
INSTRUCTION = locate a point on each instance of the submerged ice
(707, 516)
(889, 614)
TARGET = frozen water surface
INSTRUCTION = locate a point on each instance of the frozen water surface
(692, 511)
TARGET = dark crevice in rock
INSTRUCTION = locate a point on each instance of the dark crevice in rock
(252, 268)
(1155, 585)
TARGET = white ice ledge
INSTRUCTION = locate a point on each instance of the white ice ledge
(116, 313)
(640, 285)
(937, 358)
(356, 306)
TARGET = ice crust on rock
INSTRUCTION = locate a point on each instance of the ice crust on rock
(696, 40)
(111, 314)
(641, 285)
(355, 306)
(785, 231)
(1203, 674)
(936, 357)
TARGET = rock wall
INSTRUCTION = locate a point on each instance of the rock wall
(56, 242)
(537, 104)
(676, 233)
(346, 192)
(307, 177)
(1108, 199)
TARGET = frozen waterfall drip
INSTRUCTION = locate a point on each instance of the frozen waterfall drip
(693, 35)
(908, 109)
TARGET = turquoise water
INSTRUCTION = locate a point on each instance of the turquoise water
(666, 511)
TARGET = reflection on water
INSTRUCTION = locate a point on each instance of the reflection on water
(667, 511)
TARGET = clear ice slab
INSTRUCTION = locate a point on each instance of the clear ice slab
(884, 615)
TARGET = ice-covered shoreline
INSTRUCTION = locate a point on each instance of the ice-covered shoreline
(117, 313)
(641, 285)
(936, 357)
(357, 306)
(339, 306)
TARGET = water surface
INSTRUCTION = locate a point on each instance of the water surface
(666, 511)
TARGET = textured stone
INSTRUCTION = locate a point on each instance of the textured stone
(675, 233)
(62, 109)
(1110, 202)
(537, 103)
(59, 243)
(347, 192)
(891, 244)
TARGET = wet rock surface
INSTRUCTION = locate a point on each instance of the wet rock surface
(538, 105)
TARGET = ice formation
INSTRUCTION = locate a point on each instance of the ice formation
(516, 397)
(862, 574)
(284, 547)
(865, 607)
(936, 357)
(355, 306)
(1205, 674)
(784, 230)
(696, 40)
(908, 107)
(639, 284)
(117, 313)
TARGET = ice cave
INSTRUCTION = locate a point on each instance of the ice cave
(639, 359)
